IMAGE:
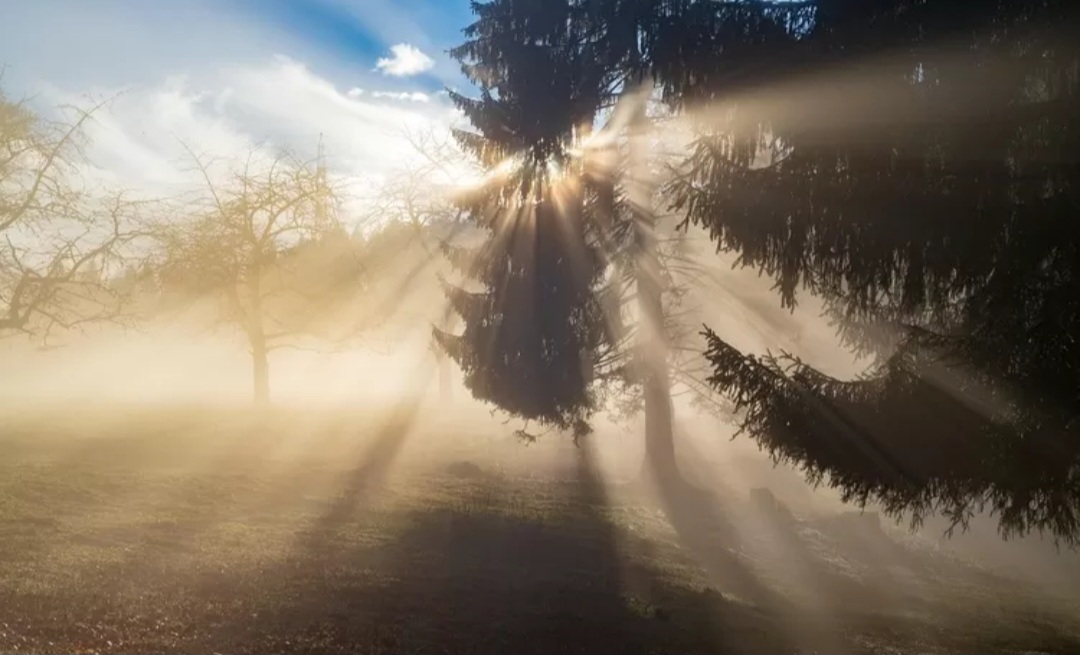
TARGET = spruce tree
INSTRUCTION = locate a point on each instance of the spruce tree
(915, 164)
(912, 163)
(547, 71)
(532, 327)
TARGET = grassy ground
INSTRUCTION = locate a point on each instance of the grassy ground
(212, 532)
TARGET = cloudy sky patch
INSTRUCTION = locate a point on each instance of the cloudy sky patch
(405, 60)
(223, 76)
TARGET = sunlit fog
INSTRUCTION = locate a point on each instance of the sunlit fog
(519, 326)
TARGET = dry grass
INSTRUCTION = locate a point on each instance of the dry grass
(212, 532)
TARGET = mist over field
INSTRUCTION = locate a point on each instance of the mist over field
(137, 473)
(534, 327)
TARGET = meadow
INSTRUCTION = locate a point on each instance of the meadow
(411, 528)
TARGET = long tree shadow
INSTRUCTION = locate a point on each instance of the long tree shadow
(829, 580)
(369, 474)
(151, 528)
(728, 544)
(706, 528)
(481, 564)
(486, 573)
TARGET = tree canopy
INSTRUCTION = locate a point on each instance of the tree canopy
(531, 323)
(914, 164)
(910, 162)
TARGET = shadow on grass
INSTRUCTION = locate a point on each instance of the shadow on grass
(466, 569)
(369, 474)
(760, 557)
(473, 577)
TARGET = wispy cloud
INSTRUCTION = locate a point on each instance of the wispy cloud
(140, 140)
(414, 96)
(405, 60)
(226, 91)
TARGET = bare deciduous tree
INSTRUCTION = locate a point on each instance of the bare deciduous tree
(60, 236)
(416, 194)
(249, 245)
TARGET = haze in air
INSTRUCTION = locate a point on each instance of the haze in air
(583, 326)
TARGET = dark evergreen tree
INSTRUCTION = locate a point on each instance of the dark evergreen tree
(915, 164)
(532, 327)
(546, 72)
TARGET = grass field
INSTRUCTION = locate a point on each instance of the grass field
(212, 531)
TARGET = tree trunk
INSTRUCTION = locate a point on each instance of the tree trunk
(659, 420)
(446, 391)
(260, 360)
(652, 343)
(256, 331)
(652, 353)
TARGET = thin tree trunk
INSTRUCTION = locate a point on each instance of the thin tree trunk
(659, 412)
(260, 352)
(442, 361)
(652, 343)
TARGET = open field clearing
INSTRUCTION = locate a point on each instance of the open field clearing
(402, 531)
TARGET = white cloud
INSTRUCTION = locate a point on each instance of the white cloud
(138, 141)
(222, 93)
(394, 21)
(405, 60)
(415, 96)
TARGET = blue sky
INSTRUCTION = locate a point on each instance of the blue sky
(221, 75)
(100, 40)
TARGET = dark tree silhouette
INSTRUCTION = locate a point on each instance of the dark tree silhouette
(532, 331)
(914, 163)
(548, 73)
(910, 162)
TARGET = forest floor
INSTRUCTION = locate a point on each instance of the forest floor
(201, 531)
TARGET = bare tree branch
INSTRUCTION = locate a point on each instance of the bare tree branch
(60, 238)
(268, 244)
